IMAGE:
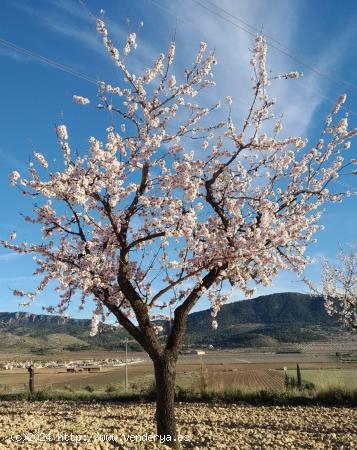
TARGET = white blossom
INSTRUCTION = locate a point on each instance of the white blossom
(340, 287)
(62, 132)
(81, 100)
(14, 176)
(41, 159)
(341, 100)
(94, 325)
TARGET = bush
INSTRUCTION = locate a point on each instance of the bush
(148, 392)
(89, 388)
(309, 386)
(110, 388)
(182, 394)
(328, 397)
(335, 396)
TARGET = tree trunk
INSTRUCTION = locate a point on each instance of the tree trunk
(31, 371)
(165, 375)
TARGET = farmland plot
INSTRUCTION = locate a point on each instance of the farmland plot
(247, 379)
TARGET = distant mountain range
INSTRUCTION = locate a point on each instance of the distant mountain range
(268, 320)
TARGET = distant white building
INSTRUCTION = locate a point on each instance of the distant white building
(198, 352)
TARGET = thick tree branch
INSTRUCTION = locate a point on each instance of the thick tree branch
(181, 312)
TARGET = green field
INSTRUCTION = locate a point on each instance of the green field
(329, 378)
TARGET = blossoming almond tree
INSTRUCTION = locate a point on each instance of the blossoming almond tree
(339, 287)
(172, 206)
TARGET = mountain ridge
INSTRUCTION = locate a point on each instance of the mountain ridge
(273, 319)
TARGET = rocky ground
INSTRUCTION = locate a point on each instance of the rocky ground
(58, 425)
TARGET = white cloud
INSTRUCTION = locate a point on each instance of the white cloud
(86, 37)
(76, 23)
(298, 99)
(72, 8)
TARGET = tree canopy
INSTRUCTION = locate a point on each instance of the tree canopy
(174, 205)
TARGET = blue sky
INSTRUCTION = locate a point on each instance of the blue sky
(319, 36)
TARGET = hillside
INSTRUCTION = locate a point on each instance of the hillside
(277, 318)
(262, 321)
(41, 334)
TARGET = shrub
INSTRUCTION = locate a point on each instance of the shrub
(334, 396)
(89, 388)
(110, 388)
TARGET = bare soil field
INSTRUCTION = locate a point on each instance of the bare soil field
(205, 426)
(246, 379)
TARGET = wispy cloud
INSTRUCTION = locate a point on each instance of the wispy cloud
(9, 256)
(88, 38)
(72, 8)
(12, 54)
(298, 99)
(63, 19)
(11, 161)
(19, 279)
(72, 21)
